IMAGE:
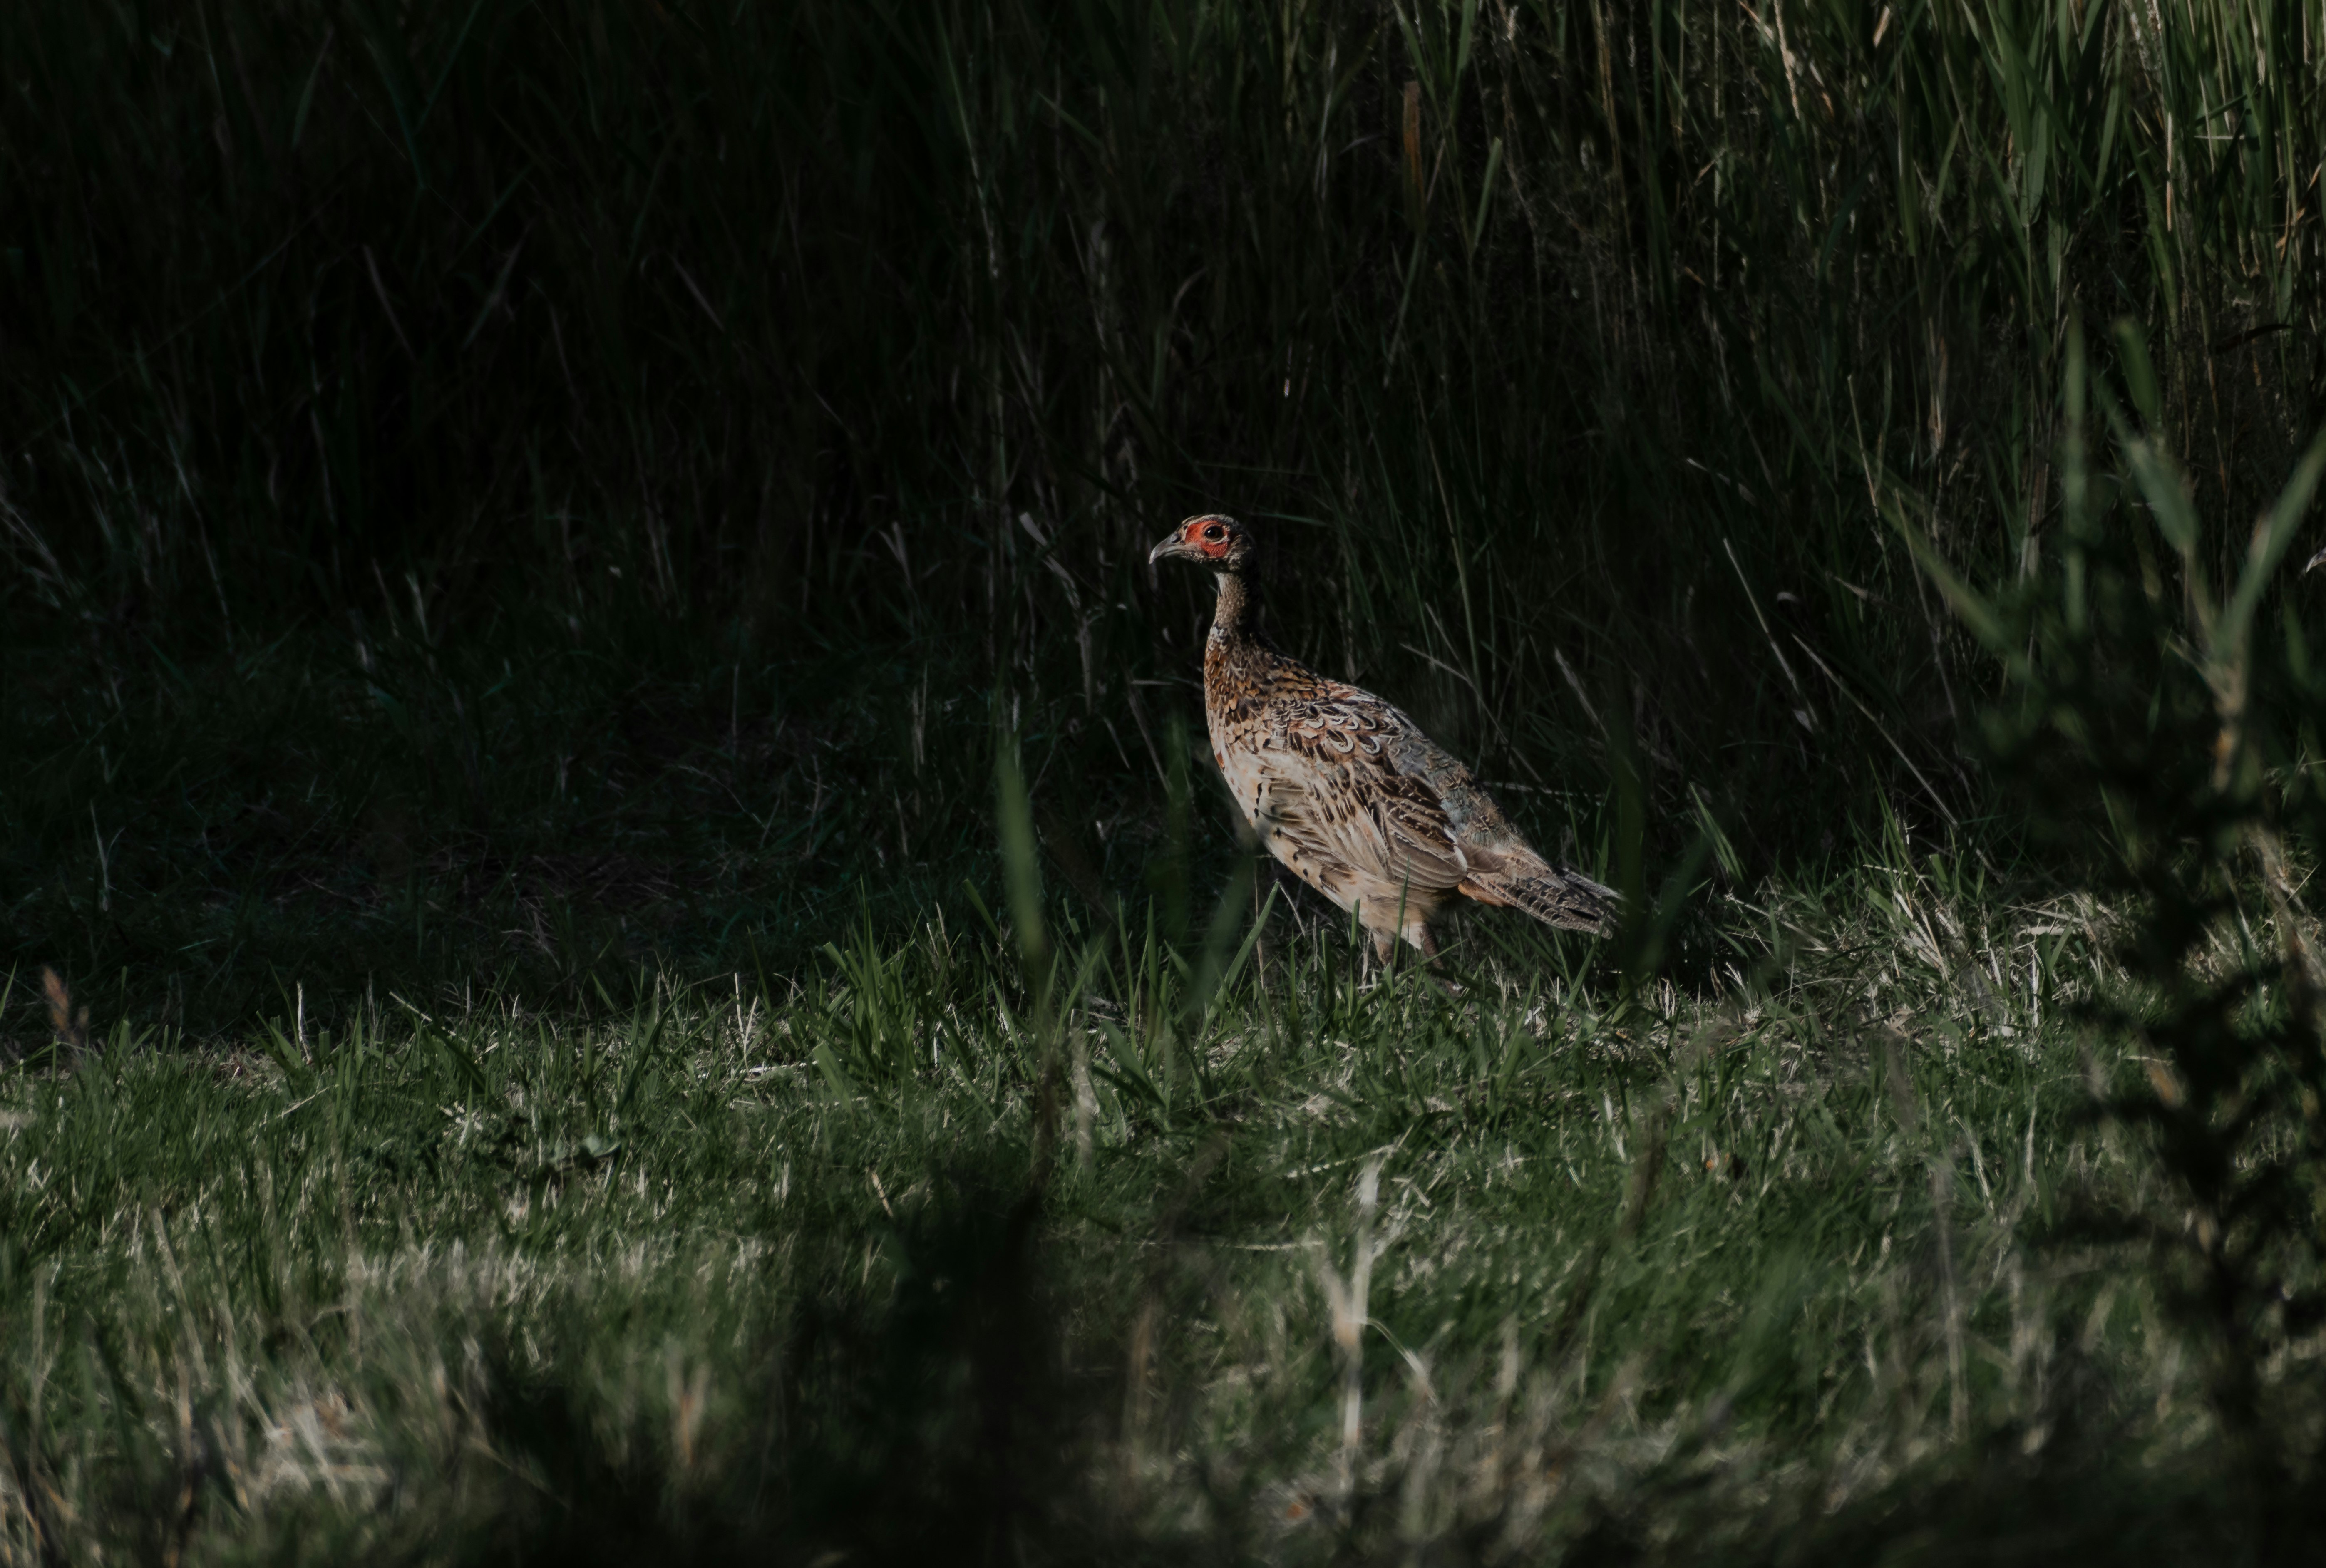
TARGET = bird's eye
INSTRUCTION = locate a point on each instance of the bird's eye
(1215, 534)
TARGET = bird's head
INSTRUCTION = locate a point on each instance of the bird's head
(1210, 539)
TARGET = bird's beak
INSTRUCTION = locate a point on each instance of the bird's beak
(1174, 547)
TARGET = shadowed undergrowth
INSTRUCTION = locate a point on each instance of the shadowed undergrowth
(1570, 354)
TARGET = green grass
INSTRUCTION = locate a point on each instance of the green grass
(890, 1257)
(664, 974)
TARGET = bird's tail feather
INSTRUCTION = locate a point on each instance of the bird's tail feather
(1560, 898)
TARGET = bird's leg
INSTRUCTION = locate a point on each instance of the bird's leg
(1419, 935)
(1384, 947)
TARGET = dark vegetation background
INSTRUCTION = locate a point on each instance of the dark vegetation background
(535, 470)
(504, 499)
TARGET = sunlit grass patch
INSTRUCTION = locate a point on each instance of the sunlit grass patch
(1423, 1258)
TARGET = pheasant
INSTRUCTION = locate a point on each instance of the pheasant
(1347, 791)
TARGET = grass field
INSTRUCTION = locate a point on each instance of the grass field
(1299, 1269)
(620, 940)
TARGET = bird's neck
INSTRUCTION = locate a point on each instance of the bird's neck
(1237, 613)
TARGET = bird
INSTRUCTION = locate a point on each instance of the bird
(1346, 790)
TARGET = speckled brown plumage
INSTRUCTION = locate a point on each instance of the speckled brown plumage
(1348, 792)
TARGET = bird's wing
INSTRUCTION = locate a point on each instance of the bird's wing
(1337, 753)
(1361, 802)
(1476, 823)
